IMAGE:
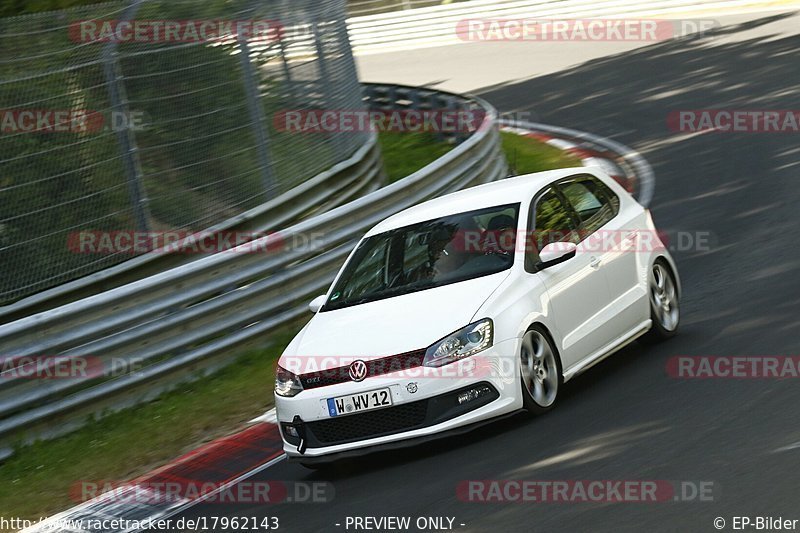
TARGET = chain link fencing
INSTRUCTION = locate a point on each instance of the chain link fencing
(157, 115)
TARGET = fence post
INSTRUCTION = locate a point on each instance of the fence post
(349, 61)
(325, 78)
(256, 115)
(125, 137)
(287, 73)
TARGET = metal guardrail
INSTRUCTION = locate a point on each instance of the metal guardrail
(189, 320)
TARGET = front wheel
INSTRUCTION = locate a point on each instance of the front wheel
(664, 304)
(540, 371)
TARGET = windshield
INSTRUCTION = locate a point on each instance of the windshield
(428, 254)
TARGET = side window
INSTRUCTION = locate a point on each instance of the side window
(594, 203)
(550, 221)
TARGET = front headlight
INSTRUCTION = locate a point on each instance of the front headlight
(286, 383)
(463, 343)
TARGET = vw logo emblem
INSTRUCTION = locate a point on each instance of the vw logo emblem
(358, 370)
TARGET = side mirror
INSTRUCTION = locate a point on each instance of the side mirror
(555, 253)
(317, 303)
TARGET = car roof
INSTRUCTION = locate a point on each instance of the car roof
(506, 191)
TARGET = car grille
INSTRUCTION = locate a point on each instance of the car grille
(381, 422)
(375, 367)
(370, 424)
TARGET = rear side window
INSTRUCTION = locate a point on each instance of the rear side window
(593, 202)
(550, 221)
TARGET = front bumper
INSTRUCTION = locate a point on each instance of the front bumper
(425, 403)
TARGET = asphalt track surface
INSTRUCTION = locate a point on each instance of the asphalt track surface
(626, 418)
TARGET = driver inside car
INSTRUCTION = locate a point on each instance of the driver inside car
(439, 257)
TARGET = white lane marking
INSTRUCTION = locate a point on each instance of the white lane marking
(790, 447)
(191, 503)
(269, 417)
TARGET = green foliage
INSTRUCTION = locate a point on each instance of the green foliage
(10, 8)
(196, 146)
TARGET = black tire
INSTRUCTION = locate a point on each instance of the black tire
(662, 328)
(552, 379)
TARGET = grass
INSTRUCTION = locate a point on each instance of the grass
(527, 155)
(37, 480)
(405, 153)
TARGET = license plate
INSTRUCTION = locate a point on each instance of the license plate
(356, 403)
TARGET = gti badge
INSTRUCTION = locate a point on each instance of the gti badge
(358, 370)
(412, 387)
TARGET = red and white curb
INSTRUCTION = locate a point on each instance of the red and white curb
(622, 163)
(220, 464)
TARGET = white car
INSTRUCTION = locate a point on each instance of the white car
(471, 306)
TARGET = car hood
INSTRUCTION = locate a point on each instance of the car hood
(391, 326)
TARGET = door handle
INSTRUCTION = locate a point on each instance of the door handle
(595, 262)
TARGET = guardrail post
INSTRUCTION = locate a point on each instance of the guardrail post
(125, 136)
(413, 95)
(433, 104)
(256, 115)
(454, 106)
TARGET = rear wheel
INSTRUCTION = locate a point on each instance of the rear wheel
(664, 304)
(540, 370)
